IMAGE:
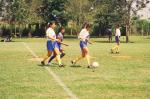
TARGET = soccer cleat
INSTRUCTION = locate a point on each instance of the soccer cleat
(62, 55)
(117, 52)
(89, 66)
(73, 62)
(42, 62)
(49, 64)
(61, 65)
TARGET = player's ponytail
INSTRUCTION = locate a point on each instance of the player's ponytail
(84, 25)
(50, 23)
(88, 26)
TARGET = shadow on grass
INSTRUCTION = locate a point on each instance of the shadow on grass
(75, 66)
(7, 41)
(40, 65)
(12, 41)
(52, 65)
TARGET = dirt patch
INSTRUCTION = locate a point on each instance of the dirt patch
(123, 57)
(131, 57)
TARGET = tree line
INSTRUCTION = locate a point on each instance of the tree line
(30, 17)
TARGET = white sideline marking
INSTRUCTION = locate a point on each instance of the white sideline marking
(56, 78)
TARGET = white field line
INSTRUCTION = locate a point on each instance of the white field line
(56, 78)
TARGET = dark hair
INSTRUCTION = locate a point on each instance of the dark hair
(87, 26)
(61, 28)
(84, 25)
(51, 23)
(117, 26)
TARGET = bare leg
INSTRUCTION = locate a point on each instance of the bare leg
(56, 50)
(87, 56)
(46, 57)
(80, 57)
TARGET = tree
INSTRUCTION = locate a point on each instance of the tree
(126, 8)
(33, 14)
(5, 9)
(80, 11)
(22, 12)
(18, 13)
(53, 10)
(106, 15)
(118, 12)
(143, 26)
(1, 8)
(33, 9)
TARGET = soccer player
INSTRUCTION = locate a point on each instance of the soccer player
(109, 31)
(60, 37)
(52, 46)
(117, 38)
(84, 39)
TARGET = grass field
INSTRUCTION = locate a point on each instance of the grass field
(120, 76)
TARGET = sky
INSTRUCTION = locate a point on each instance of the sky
(145, 12)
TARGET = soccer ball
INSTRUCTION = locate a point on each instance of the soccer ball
(95, 64)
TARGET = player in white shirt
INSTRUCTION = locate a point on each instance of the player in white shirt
(84, 40)
(117, 38)
(60, 36)
(52, 46)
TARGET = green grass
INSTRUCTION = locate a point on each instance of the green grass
(122, 76)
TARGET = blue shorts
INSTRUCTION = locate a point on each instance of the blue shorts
(50, 45)
(83, 44)
(117, 39)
